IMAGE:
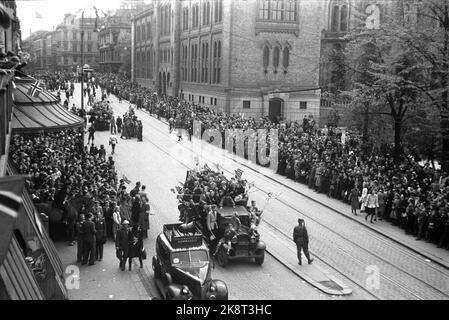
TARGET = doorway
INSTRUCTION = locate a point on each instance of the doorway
(275, 109)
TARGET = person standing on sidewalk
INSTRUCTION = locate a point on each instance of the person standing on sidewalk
(371, 205)
(301, 238)
(119, 124)
(112, 125)
(100, 236)
(122, 244)
(113, 142)
(135, 245)
(79, 238)
(89, 243)
(91, 132)
(117, 221)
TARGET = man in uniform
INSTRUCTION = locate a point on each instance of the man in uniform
(301, 238)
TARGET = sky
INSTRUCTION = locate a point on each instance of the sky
(52, 12)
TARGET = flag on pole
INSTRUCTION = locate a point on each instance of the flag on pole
(238, 173)
(125, 179)
(38, 15)
(35, 89)
(96, 20)
(11, 189)
(218, 166)
(206, 167)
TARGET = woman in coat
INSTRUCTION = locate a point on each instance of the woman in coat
(135, 245)
(144, 217)
(354, 199)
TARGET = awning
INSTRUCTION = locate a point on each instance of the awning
(37, 110)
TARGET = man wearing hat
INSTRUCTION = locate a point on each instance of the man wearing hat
(122, 244)
(301, 238)
(89, 237)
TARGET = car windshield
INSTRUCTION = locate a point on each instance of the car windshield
(194, 262)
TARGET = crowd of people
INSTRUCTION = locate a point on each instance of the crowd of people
(409, 195)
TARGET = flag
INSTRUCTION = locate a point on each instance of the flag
(272, 195)
(206, 167)
(125, 179)
(96, 20)
(238, 173)
(35, 89)
(11, 189)
(218, 166)
(38, 15)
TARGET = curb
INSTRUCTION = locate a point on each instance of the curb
(388, 236)
(345, 290)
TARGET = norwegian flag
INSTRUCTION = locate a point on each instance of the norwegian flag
(238, 173)
(35, 89)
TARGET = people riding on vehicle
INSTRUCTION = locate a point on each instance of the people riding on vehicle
(225, 242)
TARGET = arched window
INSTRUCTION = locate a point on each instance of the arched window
(219, 63)
(276, 57)
(344, 18)
(266, 57)
(214, 79)
(335, 18)
(285, 58)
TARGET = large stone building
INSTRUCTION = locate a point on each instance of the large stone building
(10, 34)
(115, 38)
(67, 40)
(250, 57)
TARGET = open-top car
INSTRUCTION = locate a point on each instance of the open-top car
(245, 242)
(182, 265)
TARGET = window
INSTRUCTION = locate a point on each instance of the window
(276, 57)
(286, 57)
(206, 12)
(219, 63)
(195, 16)
(246, 104)
(276, 9)
(215, 101)
(218, 7)
(148, 30)
(266, 57)
(211, 101)
(339, 17)
(264, 9)
(214, 79)
(75, 47)
(89, 36)
(206, 64)
(185, 19)
(303, 105)
(89, 47)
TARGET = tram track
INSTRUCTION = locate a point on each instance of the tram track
(398, 284)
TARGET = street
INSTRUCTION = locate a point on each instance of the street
(342, 246)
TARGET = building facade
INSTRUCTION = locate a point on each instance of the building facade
(10, 34)
(66, 39)
(115, 38)
(254, 57)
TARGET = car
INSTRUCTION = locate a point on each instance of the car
(246, 244)
(183, 267)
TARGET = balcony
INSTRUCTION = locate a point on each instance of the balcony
(333, 36)
(276, 26)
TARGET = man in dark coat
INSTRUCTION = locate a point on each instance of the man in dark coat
(301, 238)
(119, 124)
(100, 235)
(135, 245)
(122, 244)
(89, 235)
(79, 238)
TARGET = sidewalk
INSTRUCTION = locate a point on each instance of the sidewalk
(426, 249)
(104, 280)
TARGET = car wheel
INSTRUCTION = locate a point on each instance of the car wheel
(259, 260)
(222, 258)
